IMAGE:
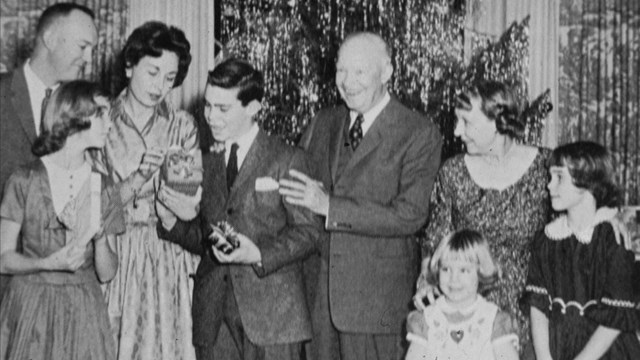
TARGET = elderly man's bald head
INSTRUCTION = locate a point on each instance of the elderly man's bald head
(362, 71)
(374, 43)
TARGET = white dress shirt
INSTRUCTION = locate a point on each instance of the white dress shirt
(370, 115)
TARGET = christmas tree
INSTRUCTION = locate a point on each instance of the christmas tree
(295, 44)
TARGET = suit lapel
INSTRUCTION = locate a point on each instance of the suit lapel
(22, 103)
(374, 135)
(336, 140)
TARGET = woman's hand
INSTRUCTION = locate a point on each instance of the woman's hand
(183, 206)
(423, 288)
(151, 162)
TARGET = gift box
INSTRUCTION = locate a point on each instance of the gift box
(182, 170)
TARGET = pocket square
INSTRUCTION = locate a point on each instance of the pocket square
(266, 184)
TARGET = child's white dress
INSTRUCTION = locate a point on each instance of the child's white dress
(447, 333)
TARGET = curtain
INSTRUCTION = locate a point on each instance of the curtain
(488, 19)
(600, 82)
(195, 18)
(18, 20)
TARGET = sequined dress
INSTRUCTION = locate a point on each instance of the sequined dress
(581, 281)
(150, 297)
(507, 218)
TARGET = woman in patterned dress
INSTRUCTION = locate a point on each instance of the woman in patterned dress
(150, 297)
(51, 240)
(497, 188)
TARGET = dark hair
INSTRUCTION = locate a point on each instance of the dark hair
(467, 245)
(591, 167)
(151, 39)
(236, 73)
(56, 11)
(498, 103)
(68, 112)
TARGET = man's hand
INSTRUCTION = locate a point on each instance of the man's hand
(247, 253)
(305, 192)
(183, 206)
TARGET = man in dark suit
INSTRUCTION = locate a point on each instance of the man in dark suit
(257, 289)
(65, 37)
(376, 162)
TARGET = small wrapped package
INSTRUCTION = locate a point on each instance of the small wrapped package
(182, 170)
(224, 237)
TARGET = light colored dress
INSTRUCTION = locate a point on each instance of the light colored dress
(54, 314)
(446, 333)
(150, 297)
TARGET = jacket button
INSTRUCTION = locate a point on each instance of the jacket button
(229, 211)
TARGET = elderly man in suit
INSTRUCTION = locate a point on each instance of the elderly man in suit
(65, 37)
(376, 162)
(257, 289)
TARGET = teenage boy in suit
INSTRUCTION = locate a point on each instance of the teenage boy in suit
(256, 289)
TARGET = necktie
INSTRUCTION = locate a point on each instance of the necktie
(355, 134)
(232, 166)
(45, 101)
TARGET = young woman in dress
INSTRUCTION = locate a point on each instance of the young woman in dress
(497, 188)
(150, 297)
(51, 242)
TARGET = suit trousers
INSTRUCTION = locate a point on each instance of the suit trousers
(357, 346)
(247, 349)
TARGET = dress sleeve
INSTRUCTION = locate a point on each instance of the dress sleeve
(15, 193)
(619, 306)
(417, 330)
(536, 292)
(439, 223)
(504, 329)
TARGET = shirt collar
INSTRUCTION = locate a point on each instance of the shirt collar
(244, 142)
(372, 114)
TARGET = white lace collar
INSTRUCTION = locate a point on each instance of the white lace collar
(559, 228)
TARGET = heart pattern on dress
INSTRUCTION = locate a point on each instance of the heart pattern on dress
(457, 335)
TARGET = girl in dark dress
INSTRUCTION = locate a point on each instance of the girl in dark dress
(580, 284)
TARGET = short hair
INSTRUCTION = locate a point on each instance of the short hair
(497, 102)
(591, 167)
(56, 11)
(235, 73)
(373, 38)
(467, 245)
(67, 112)
(151, 39)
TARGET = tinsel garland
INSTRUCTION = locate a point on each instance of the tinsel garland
(295, 44)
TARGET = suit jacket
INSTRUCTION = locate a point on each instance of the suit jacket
(271, 298)
(377, 204)
(17, 133)
(17, 127)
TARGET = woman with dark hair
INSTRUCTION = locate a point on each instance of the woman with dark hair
(57, 236)
(150, 297)
(497, 187)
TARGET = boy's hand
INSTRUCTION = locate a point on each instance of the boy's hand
(247, 253)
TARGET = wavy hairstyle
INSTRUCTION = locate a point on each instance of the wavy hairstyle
(151, 39)
(467, 245)
(497, 103)
(67, 113)
(591, 167)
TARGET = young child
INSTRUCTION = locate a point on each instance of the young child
(50, 237)
(461, 324)
(580, 284)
